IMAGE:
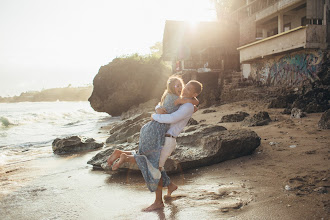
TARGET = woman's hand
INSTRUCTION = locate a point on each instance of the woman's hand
(161, 111)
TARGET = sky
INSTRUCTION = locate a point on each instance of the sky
(54, 43)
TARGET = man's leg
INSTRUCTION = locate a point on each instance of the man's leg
(168, 148)
(124, 158)
(159, 200)
(115, 155)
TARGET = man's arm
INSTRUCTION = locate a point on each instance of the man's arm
(184, 111)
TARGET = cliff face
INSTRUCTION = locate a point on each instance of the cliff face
(127, 82)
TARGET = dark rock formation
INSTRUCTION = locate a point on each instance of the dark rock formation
(310, 98)
(203, 146)
(283, 101)
(192, 122)
(208, 111)
(238, 116)
(324, 122)
(74, 144)
(259, 119)
(127, 82)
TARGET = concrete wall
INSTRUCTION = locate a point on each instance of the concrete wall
(290, 69)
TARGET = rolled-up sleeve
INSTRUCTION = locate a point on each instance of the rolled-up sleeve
(184, 111)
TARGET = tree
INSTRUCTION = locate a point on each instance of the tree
(157, 49)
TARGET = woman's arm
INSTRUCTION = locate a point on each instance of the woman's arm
(181, 101)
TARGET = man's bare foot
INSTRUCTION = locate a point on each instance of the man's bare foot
(114, 156)
(170, 189)
(122, 159)
(154, 207)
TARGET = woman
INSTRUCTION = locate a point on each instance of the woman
(152, 137)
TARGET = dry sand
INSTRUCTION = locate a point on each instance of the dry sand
(275, 182)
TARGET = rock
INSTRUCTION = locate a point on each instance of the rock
(283, 101)
(259, 119)
(297, 113)
(208, 111)
(238, 116)
(201, 147)
(127, 82)
(210, 145)
(192, 122)
(321, 190)
(324, 122)
(128, 130)
(74, 144)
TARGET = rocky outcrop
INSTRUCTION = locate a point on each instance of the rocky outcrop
(204, 146)
(127, 82)
(259, 119)
(74, 144)
(238, 116)
(310, 98)
(324, 122)
(128, 130)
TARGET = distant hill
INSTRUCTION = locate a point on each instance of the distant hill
(52, 95)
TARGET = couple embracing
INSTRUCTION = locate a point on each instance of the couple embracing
(158, 137)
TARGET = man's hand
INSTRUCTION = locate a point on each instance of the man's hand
(161, 111)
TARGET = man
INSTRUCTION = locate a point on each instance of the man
(178, 121)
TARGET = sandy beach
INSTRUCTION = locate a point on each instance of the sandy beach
(287, 177)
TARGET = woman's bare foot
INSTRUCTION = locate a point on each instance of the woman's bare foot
(122, 159)
(170, 189)
(114, 156)
(154, 207)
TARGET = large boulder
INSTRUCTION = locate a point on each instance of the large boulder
(201, 147)
(210, 145)
(127, 82)
(324, 122)
(74, 144)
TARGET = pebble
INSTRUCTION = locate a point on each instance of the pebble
(293, 146)
(287, 187)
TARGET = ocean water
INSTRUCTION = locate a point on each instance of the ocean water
(27, 129)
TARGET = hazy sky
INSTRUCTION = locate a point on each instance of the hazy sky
(53, 43)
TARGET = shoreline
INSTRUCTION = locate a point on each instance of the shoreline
(250, 187)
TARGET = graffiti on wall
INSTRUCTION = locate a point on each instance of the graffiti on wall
(291, 69)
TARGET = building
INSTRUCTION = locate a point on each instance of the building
(283, 41)
(200, 47)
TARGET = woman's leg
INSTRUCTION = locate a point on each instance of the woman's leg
(115, 155)
(124, 158)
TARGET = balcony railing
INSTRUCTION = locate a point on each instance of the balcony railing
(309, 37)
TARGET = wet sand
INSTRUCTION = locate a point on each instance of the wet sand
(275, 182)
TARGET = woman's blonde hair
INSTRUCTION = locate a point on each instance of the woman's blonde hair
(170, 87)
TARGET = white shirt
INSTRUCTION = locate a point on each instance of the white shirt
(177, 119)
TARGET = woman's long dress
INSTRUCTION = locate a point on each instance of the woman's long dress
(152, 138)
